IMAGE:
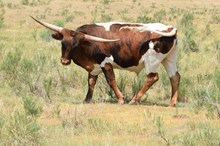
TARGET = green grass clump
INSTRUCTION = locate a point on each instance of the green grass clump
(2, 13)
(202, 134)
(20, 129)
(32, 106)
(34, 2)
(143, 19)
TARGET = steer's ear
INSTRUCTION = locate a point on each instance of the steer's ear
(57, 36)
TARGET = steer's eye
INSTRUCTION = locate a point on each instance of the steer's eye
(64, 46)
(63, 43)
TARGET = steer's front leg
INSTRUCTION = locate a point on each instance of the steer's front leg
(149, 81)
(91, 84)
(110, 77)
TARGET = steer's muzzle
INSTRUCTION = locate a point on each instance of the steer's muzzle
(65, 61)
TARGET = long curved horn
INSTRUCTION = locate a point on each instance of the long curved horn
(97, 39)
(50, 26)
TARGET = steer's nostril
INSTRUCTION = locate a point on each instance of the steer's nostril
(65, 61)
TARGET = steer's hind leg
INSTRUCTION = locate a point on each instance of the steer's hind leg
(110, 77)
(170, 65)
(149, 81)
(91, 84)
(174, 80)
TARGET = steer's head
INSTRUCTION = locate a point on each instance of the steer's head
(70, 39)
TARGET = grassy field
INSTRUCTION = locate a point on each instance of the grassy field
(40, 100)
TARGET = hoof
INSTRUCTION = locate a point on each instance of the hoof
(87, 101)
(133, 102)
(172, 104)
(120, 102)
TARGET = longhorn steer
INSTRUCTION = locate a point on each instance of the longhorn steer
(104, 46)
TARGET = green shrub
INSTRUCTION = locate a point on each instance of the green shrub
(32, 106)
(48, 86)
(30, 75)
(105, 17)
(2, 13)
(20, 129)
(2, 122)
(98, 125)
(27, 74)
(25, 2)
(59, 23)
(74, 121)
(157, 124)
(216, 45)
(70, 18)
(207, 98)
(187, 20)
(56, 111)
(138, 82)
(203, 134)
(2, 46)
(46, 35)
(65, 11)
(143, 19)
(175, 12)
(105, 2)
(184, 88)
(199, 99)
(34, 2)
(122, 81)
(208, 30)
(189, 41)
(10, 65)
(159, 16)
(216, 18)
(217, 79)
(123, 15)
(94, 15)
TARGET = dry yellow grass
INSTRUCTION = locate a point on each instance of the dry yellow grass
(65, 123)
(121, 125)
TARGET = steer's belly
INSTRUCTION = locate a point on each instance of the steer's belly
(97, 67)
(135, 69)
